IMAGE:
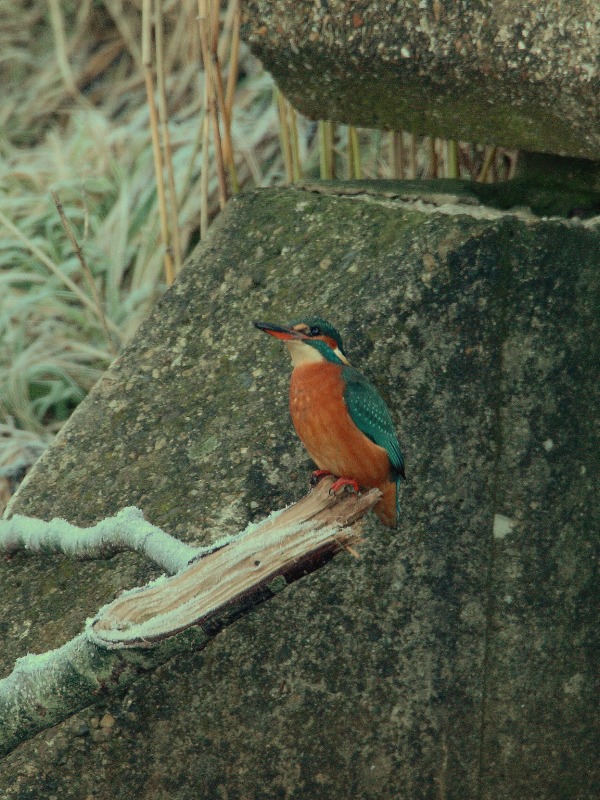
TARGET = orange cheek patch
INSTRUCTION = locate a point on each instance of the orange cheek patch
(328, 341)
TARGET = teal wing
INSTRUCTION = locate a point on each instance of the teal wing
(370, 415)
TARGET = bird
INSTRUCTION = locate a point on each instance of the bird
(339, 416)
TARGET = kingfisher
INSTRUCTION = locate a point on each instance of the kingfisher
(339, 416)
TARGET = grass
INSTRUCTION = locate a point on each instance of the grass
(107, 105)
(76, 122)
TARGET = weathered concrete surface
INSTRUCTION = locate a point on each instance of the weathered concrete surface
(456, 658)
(501, 72)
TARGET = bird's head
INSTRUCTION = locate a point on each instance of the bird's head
(309, 340)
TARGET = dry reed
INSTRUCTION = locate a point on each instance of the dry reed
(140, 151)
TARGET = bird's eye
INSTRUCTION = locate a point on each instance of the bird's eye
(315, 330)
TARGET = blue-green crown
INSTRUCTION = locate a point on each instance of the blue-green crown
(320, 327)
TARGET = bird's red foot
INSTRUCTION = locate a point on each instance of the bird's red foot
(340, 484)
(318, 476)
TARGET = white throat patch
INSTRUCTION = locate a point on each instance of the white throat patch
(302, 353)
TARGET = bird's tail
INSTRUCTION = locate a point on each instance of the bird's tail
(388, 508)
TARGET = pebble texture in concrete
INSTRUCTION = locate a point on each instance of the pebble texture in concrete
(455, 659)
(500, 72)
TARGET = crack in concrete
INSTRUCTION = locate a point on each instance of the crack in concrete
(443, 203)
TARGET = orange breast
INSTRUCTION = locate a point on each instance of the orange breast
(326, 429)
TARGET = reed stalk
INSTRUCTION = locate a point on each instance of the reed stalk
(434, 166)
(206, 17)
(284, 135)
(294, 141)
(166, 138)
(490, 155)
(354, 168)
(326, 150)
(156, 149)
(86, 271)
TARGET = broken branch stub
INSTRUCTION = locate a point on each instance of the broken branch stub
(290, 544)
(137, 632)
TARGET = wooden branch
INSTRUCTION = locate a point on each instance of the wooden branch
(127, 530)
(145, 627)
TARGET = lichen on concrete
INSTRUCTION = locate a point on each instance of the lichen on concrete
(435, 660)
(497, 72)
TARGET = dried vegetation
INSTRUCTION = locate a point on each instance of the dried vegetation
(141, 118)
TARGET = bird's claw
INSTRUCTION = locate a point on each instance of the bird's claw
(318, 476)
(341, 484)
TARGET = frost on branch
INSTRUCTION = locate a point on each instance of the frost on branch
(145, 627)
(127, 530)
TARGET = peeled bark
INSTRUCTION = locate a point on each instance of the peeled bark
(145, 627)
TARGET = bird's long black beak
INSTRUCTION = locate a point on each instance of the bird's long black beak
(283, 332)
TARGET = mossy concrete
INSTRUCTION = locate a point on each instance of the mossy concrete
(456, 658)
(499, 72)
